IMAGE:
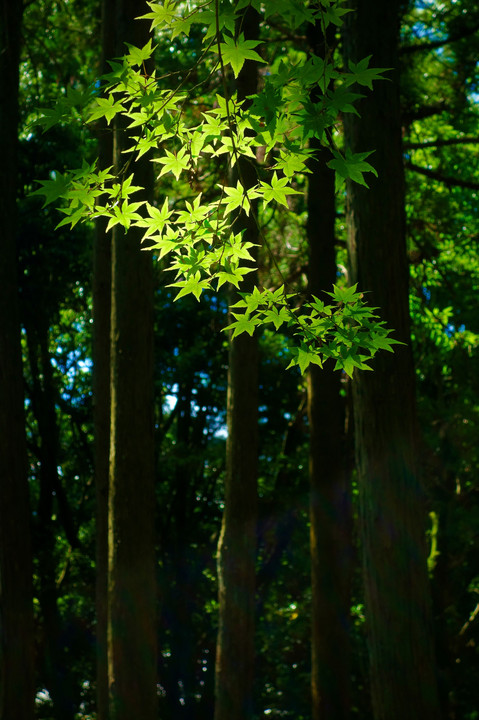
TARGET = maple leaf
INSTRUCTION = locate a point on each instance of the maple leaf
(352, 165)
(236, 52)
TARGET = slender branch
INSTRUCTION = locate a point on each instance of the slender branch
(424, 111)
(448, 181)
(470, 620)
(439, 142)
(435, 44)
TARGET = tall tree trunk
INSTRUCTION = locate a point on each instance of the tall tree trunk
(329, 501)
(237, 543)
(101, 387)
(54, 663)
(392, 517)
(330, 516)
(183, 647)
(16, 610)
(131, 581)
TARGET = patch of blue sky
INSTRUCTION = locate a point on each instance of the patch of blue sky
(215, 422)
(451, 329)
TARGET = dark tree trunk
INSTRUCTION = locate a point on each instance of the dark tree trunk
(131, 580)
(237, 544)
(54, 665)
(329, 502)
(101, 386)
(16, 609)
(330, 516)
(182, 598)
(392, 517)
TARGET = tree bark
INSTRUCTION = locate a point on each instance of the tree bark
(237, 544)
(17, 690)
(330, 515)
(56, 671)
(330, 519)
(131, 542)
(101, 387)
(392, 516)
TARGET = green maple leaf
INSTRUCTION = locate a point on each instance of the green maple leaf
(278, 190)
(352, 165)
(267, 103)
(53, 189)
(125, 214)
(73, 216)
(293, 163)
(107, 108)
(236, 52)
(232, 273)
(238, 198)
(294, 12)
(363, 75)
(193, 285)
(347, 364)
(81, 194)
(226, 19)
(239, 249)
(350, 362)
(304, 357)
(137, 56)
(243, 323)
(345, 295)
(277, 317)
(174, 163)
(333, 15)
(161, 13)
(182, 25)
(195, 213)
(125, 188)
(167, 243)
(157, 220)
(342, 100)
(51, 116)
(383, 342)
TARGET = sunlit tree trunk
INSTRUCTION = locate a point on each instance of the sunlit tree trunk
(16, 610)
(237, 544)
(392, 517)
(131, 543)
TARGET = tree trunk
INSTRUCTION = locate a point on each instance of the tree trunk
(57, 676)
(329, 501)
(101, 387)
(16, 610)
(392, 517)
(237, 543)
(131, 582)
(183, 654)
(330, 515)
